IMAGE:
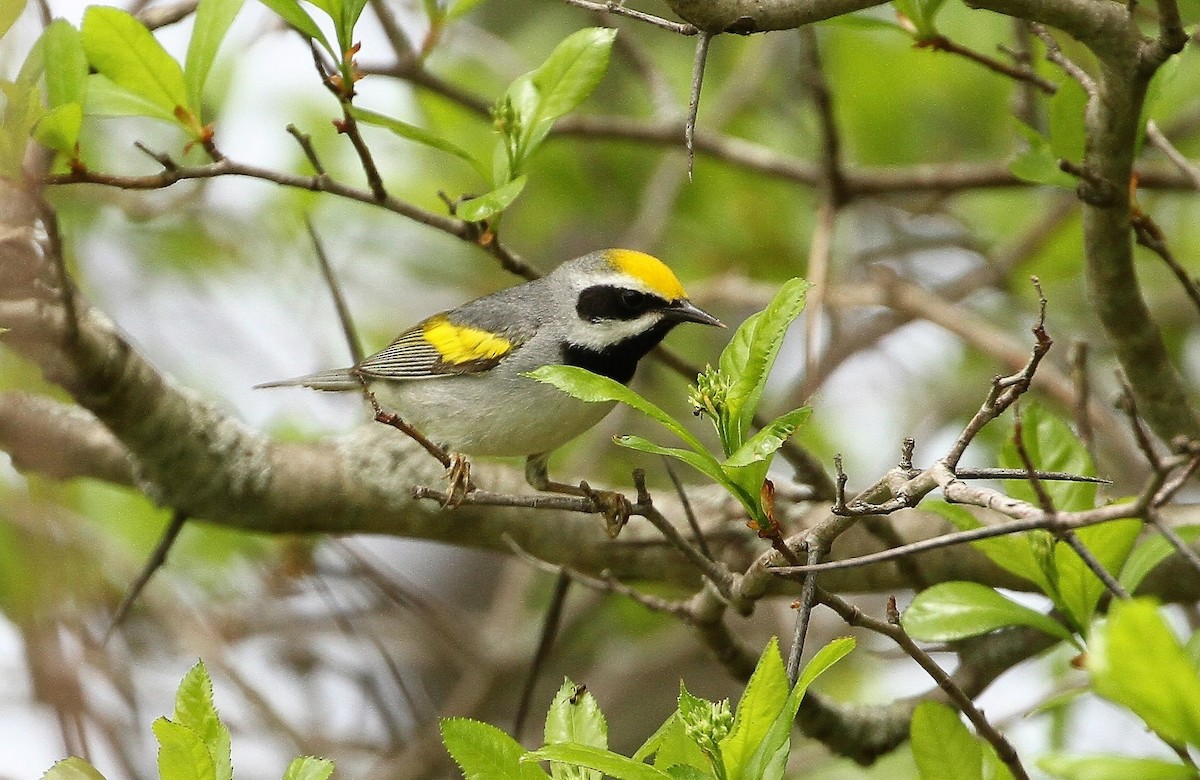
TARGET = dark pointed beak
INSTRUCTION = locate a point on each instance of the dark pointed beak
(686, 311)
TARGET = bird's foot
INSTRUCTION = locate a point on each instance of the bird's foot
(458, 472)
(613, 506)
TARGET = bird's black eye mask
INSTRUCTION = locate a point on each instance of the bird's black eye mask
(604, 302)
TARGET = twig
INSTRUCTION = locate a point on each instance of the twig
(550, 626)
(689, 128)
(1150, 235)
(335, 291)
(620, 10)
(688, 512)
(1054, 53)
(157, 558)
(306, 145)
(1077, 357)
(1016, 72)
(808, 594)
(895, 631)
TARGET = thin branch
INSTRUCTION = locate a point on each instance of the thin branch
(619, 9)
(550, 626)
(1021, 73)
(155, 562)
(1150, 235)
(1164, 145)
(1054, 53)
(693, 523)
(335, 292)
(689, 128)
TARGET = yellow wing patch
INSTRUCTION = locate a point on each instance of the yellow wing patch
(461, 344)
(650, 270)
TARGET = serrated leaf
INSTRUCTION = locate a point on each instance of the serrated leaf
(574, 716)
(194, 709)
(484, 752)
(1136, 660)
(1113, 768)
(182, 754)
(672, 747)
(58, 129)
(212, 21)
(764, 697)
(309, 768)
(611, 764)
(72, 768)
(419, 134)
(749, 356)
(1150, 553)
(492, 203)
(292, 13)
(942, 746)
(1068, 135)
(66, 64)
(950, 611)
(121, 48)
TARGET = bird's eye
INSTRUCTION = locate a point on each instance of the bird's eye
(632, 300)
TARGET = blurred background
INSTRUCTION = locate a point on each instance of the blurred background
(350, 648)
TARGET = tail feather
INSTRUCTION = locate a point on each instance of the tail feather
(335, 379)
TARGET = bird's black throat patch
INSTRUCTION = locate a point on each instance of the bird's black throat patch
(617, 361)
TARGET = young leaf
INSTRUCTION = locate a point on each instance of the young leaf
(484, 752)
(418, 134)
(762, 445)
(182, 754)
(1150, 553)
(764, 697)
(1013, 552)
(672, 748)
(1079, 589)
(611, 764)
(58, 129)
(72, 768)
(213, 18)
(194, 709)
(104, 98)
(297, 17)
(593, 388)
(309, 768)
(22, 109)
(769, 757)
(1052, 446)
(701, 461)
(943, 747)
(1136, 660)
(950, 611)
(749, 356)
(121, 48)
(1038, 164)
(575, 716)
(10, 11)
(66, 64)
(1113, 768)
(492, 203)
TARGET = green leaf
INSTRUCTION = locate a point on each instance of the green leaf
(942, 745)
(671, 747)
(66, 64)
(104, 98)
(182, 754)
(1079, 589)
(72, 768)
(770, 756)
(1038, 164)
(418, 134)
(611, 764)
(593, 388)
(59, 128)
(749, 356)
(1012, 552)
(923, 14)
(1068, 136)
(457, 9)
(1137, 661)
(575, 717)
(1113, 768)
(484, 752)
(309, 768)
(22, 109)
(213, 18)
(194, 709)
(763, 699)
(762, 445)
(491, 203)
(10, 11)
(701, 461)
(298, 18)
(1051, 446)
(121, 48)
(1150, 553)
(950, 611)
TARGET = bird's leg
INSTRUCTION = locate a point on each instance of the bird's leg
(458, 471)
(614, 506)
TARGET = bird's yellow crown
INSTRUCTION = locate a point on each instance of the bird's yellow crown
(649, 270)
(463, 344)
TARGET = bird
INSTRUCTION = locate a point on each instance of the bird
(460, 376)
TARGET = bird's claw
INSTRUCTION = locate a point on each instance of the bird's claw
(458, 472)
(613, 506)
